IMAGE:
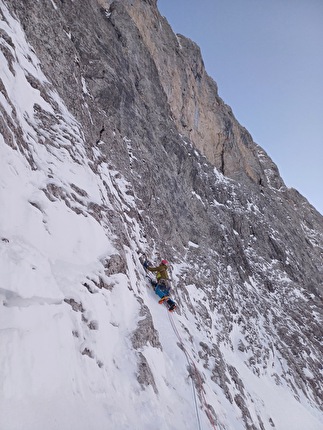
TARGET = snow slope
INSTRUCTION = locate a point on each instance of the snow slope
(67, 360)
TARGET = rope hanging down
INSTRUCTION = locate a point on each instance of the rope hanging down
(192, 364)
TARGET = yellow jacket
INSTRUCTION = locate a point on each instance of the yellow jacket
(161, 271)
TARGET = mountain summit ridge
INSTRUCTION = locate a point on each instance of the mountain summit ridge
(114, 142)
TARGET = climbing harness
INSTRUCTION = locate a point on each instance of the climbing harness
(199, 380)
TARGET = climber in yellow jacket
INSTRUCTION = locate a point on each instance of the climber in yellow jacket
(161, 287)
(161, 271)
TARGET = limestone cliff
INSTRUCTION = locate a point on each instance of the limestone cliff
(109, 119)
(198, 111)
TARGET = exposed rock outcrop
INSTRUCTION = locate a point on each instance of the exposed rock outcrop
(112, 91)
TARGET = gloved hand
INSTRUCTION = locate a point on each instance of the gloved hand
(145, 264)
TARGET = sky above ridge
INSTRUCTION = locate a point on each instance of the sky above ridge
(267, 59)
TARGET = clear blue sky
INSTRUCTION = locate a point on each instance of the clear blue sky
(267, 59)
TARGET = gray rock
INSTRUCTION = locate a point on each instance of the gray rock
(148, 110)
(145, 376)
(145, 332)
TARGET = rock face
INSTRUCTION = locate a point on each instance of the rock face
(246, 251)
(197, 110)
